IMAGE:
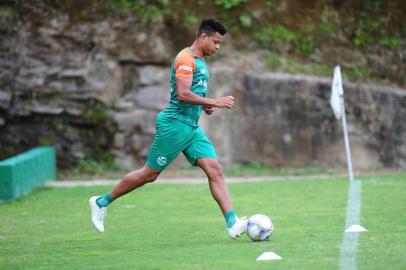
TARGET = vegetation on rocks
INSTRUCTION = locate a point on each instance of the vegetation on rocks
(85, 76)
(367, 38)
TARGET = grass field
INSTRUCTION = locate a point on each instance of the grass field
(179, 226)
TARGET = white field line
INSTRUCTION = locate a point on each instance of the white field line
(348, 254)
(187, 180)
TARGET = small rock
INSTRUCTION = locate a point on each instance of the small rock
(46, 110)
(74, 73)
(5, 99)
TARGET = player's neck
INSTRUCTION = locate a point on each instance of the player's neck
(197, 49)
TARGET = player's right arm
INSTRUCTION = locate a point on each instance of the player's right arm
(185, 94)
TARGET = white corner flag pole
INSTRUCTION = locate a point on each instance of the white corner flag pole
(338, 106)
(346, 140)
(348, 253)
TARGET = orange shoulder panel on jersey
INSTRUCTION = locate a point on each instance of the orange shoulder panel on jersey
(185, 64)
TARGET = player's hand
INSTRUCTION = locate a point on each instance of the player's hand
(208, 110)
(225, 102)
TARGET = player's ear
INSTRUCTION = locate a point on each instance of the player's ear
(204, 36)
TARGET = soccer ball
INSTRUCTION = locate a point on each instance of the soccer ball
(259, 227)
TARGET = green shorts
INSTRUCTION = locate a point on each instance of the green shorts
(174, 136)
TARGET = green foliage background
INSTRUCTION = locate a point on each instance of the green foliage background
(299, 35)
(367, 38)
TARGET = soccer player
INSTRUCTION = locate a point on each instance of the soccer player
(178, 130)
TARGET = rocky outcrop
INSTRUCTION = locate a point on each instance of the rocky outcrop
(286, 120)
(91, 88)
(80, 85)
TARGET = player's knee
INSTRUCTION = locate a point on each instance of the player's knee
(216, 170)
(142, 176)
(151, 177)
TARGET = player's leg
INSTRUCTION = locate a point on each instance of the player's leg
(219, 190)
(133, 180)
(201, 153)
(217, 183)
(167, 144)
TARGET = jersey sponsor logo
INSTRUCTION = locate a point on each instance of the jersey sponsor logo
(161, 160)
(186, 68)
(202, 83)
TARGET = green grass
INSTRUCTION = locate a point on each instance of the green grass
(384, 214)
(168, 226)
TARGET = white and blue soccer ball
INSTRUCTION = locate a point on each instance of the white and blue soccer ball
(259, 227)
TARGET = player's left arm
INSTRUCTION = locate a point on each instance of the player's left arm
(185, 94)
(184, 67)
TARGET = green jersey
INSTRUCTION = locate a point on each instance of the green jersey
(187, 64)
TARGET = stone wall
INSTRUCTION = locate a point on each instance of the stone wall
(286, 120)
(94, 87)
(86, 87)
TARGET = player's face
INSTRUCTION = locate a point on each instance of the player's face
(211, 43)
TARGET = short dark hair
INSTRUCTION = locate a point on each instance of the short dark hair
(211, 26)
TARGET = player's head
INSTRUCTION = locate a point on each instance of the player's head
(210, 35)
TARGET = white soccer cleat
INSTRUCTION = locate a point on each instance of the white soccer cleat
(239, 228)
(97, 214)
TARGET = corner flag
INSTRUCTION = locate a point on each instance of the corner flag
(338, 106)
(354, 189)
(336, 93)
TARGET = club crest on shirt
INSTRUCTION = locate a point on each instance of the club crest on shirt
(203, 71)
(161, 160)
